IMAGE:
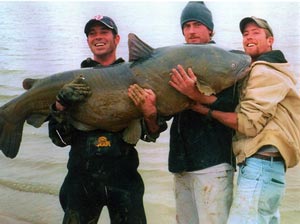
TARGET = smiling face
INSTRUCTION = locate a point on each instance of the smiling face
(256, 40)
(103, 44)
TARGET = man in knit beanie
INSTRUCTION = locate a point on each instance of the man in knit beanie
(200, 155)
(197, 23)
(197, 11)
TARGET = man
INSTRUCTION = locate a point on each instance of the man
(200, 147)
(102, 168)
(267, 124)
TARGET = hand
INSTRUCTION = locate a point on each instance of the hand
(73, 92)
(144, 99)
(184, 82)
(200, 108)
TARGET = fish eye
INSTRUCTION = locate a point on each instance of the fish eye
(233, 65)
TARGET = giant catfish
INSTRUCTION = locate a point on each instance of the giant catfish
(109, 107)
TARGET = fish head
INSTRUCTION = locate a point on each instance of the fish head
(240, 65)
(219, 69)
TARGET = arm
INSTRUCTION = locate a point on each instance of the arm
(60, 130)
(227, 118)
(265, 89)
(263, 92)
(185, 82)
(145, 101)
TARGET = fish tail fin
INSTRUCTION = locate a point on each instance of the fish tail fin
(10, 137)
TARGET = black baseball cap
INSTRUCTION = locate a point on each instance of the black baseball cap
(104, 20)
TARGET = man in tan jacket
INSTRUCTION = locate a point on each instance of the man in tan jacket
(267, 124)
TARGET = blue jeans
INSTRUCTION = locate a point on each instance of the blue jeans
(260, 189)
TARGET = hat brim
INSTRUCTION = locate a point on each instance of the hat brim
(94, 22)
(245, 21)
(259, 22)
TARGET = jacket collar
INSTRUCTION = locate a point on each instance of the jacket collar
(275, 56)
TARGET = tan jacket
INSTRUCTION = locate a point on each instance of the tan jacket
(269, 113)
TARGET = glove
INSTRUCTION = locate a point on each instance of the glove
(73, 92)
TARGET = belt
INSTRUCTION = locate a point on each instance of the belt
(268, 158)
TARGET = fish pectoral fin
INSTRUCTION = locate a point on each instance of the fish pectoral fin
(205, 89)
(36, 120)
(133, 132)
(10, 137)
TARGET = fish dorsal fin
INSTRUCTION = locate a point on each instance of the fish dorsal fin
(28, 83)
(137, 48)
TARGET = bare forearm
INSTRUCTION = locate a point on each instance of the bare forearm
(227, 118)
(203, 99)
(151, 122)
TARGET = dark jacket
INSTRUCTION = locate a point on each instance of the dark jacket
(88, 63)
(86, 145)
(197, 141)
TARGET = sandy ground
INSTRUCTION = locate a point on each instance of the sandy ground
(290, 208)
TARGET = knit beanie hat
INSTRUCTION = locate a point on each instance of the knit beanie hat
(199, 12)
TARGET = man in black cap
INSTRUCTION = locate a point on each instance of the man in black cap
(102, 167)
(267, 125)
(104, 52)
(200, 156)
